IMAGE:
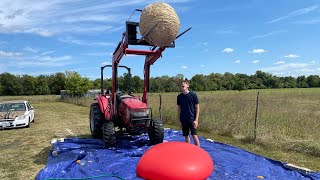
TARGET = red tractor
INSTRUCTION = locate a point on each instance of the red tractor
(126, 112)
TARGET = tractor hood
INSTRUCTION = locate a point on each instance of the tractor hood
(11, 114)
(133, 103)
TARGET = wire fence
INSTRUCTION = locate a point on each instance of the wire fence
(266, 116)
(288, 119)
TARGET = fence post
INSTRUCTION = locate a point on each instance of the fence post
(255, 118)
(160, 106)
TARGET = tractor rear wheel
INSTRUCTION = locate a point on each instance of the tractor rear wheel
(156, 131)
(109, 137)
(96, 121)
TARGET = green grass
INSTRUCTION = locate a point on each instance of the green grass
(24, 151)
(288, 126)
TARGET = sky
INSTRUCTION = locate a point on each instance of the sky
(43, 37)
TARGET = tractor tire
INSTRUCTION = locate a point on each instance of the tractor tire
(156, 131)
(96, 121)
(109, 137)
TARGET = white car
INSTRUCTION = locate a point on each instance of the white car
(16, 114)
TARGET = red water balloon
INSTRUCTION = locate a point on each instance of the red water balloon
(173, 161)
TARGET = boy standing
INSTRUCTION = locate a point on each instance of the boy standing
(188, 112)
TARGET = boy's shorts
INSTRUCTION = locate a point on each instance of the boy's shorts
(187, 127)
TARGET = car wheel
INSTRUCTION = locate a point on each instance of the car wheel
(28, 123)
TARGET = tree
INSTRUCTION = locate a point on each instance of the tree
(76, 85)
(302, 82)
(228, 81)
(197, 82)
(29, 84)
(290, 82)
(313, 81)
(41, 84)
(239, 85)
(136, 84)
(96, 84)
(156, 85)
(57, 82)
(11, 85)
(215, 81)
(0, 89)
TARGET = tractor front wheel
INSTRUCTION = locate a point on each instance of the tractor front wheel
(156, 131)
(96, 121)
(109, 137)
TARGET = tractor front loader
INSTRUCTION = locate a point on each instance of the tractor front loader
(126, 112)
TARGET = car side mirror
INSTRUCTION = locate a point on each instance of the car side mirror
(31, 108)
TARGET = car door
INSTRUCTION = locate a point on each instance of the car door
(31, 111)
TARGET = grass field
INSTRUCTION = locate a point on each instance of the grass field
(24, 151)
(288, 123)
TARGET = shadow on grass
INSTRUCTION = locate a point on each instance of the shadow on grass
(226, 133)
(301, 147)
(257, 142)
(41, 158)
(85, 136)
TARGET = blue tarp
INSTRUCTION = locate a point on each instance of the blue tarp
(85, 158)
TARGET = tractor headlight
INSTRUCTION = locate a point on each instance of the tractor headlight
(140, 113)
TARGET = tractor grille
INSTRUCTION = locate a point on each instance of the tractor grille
(140, 121)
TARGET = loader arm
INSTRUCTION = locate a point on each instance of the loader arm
(121, 50)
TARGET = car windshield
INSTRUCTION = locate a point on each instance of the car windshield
(12, 107)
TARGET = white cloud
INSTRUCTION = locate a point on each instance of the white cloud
(291, 56)
(93, 18)
(205, 50)
(47, 52)
(279, 62)
(228, 50)
(295, 13)
(237, 61)
(72, 40)
(285, 67)
(184, 67)
(205, 43)
(53, 59)
(175, 1)
(9, 54)
(29, 49)
(255, 61)
(40, 31)
(312, 21)
(313, 62)
(267, 34)
(226, 32)
(96, 54)
(47, 18)
(258, 51)
(42, 61)
(202, 66)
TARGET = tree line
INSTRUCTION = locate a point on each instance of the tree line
(75, 84)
